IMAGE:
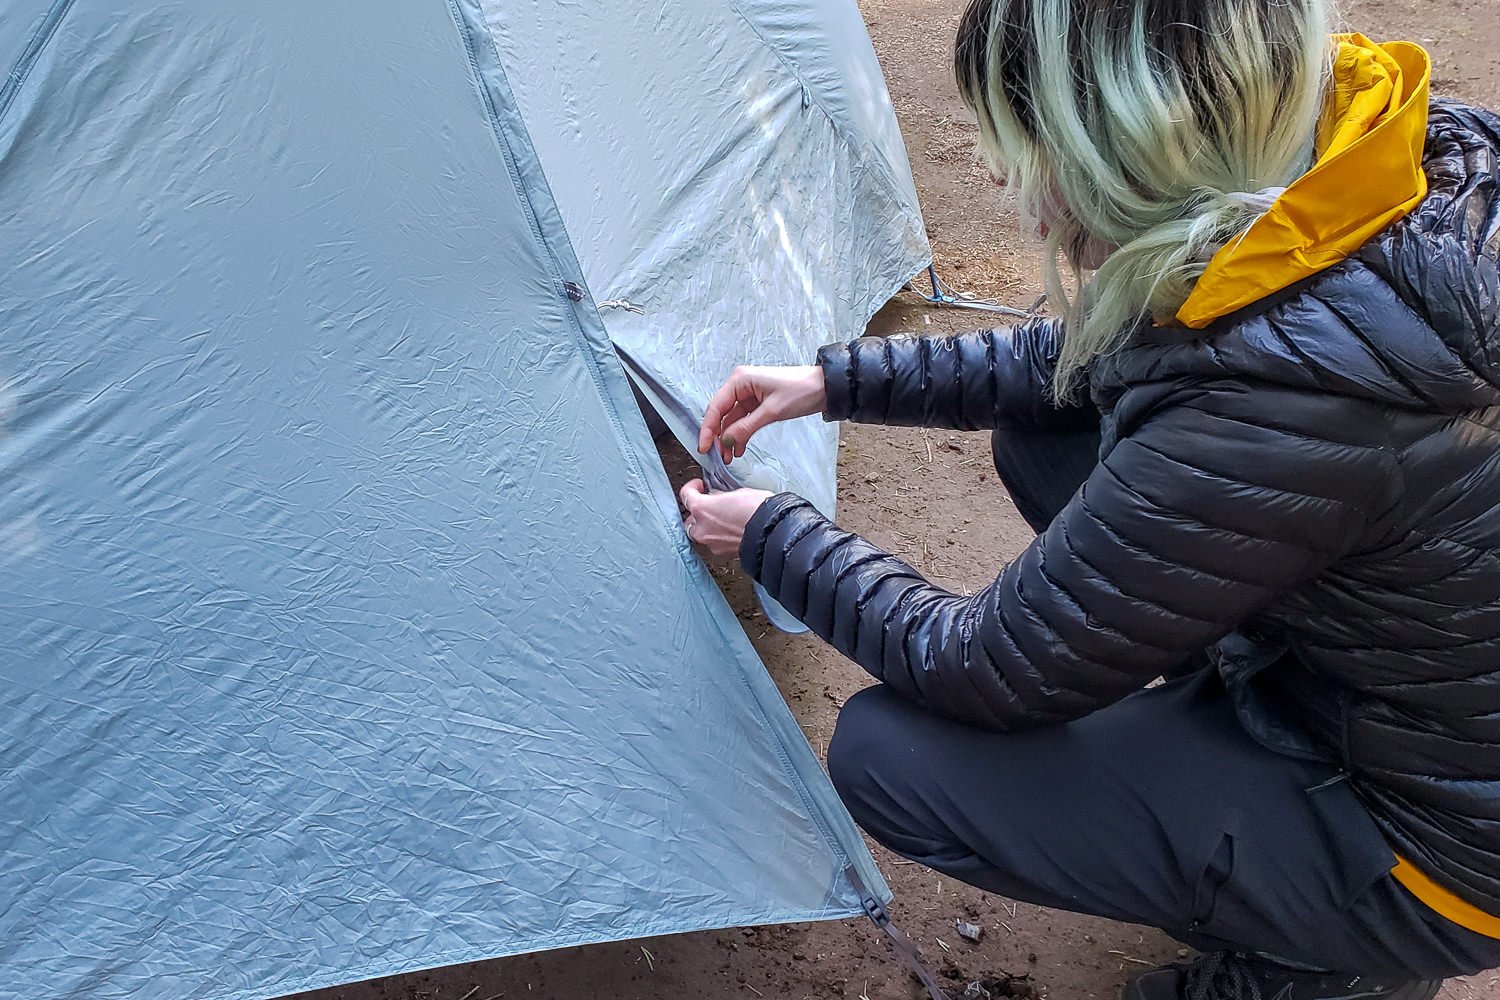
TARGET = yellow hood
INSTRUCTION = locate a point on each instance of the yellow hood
(1367, 176)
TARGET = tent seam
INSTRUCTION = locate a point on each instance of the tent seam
(32, 53)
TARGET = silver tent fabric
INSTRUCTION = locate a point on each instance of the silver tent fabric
(732, 169)
(348, 625)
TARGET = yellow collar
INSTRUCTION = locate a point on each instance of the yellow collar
(1367, 176)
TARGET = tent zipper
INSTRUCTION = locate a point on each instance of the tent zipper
(906, 949)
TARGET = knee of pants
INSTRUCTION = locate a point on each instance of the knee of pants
(886, 782)
(860, 741)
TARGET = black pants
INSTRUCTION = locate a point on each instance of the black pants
(1159, 810)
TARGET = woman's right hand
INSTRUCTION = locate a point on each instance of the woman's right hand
(756, 397)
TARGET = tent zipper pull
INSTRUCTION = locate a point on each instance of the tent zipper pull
(906, 949)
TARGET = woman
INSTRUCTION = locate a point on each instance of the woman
(1261, 455)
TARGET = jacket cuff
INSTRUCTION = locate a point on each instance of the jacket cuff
(837, 362)
(759, 528)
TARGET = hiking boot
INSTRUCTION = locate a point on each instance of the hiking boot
(1223, 975)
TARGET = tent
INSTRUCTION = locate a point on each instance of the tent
(348, 625)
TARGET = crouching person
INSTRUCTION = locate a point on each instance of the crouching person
(1261, 450)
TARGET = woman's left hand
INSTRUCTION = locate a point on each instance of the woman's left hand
(717, 521)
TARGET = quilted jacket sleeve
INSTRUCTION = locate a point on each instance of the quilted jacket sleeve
(1203, 515)
(971, 382)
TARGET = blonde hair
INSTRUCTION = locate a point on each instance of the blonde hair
(1157, 128)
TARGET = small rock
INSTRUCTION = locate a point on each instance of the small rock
(1182, 953)
(970, 932)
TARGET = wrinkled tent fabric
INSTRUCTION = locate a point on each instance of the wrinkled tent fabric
(732, 169)
(348, 623)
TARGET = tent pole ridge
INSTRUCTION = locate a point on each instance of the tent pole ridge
(860, 150)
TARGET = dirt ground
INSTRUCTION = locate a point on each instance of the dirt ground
(932, 498)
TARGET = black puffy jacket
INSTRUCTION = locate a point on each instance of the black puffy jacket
(1310, 488)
